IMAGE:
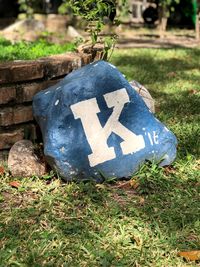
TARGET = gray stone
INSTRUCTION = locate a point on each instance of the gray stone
(25, 25)
(26, 29)
(23, 162)
(72, 33)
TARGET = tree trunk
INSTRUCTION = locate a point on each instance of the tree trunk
(197, 27)
(162, 21)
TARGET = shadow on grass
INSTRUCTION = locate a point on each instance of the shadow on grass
(153, 42)
(82, 224)
(50, 233)
(180, 108)
(153, 67)
(181, 112)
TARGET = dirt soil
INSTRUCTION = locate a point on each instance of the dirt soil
(130, 37)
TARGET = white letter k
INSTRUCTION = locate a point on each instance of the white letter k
(97, 135)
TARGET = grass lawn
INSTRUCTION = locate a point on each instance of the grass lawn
(34, 50)
(140, 223)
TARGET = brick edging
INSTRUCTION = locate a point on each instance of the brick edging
(20, 80)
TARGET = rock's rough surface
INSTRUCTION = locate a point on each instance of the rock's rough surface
(94, 123)
(23, 162)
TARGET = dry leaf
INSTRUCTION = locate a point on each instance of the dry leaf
(169, 170)
(127, 185)
(136, 240)
(197, 167)
(15, 184)
(2, 170)
(134, 183)
(44, 224)
(190, 255)
(123, 185)
(171, 74)
(142, 201)
(100, 186)
(193, 92)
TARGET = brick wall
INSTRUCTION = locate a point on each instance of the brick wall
(20, 81)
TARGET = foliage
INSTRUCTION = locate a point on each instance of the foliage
(95, 13)
(28, 6)
(31, 50)
(46, 222)
(166, 7)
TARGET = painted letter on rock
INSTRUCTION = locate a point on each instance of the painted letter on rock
(97, 135)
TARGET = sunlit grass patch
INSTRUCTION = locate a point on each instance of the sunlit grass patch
(31, 50)
(145, 222)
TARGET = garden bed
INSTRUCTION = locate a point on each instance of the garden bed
(31, 50)
(20, 80)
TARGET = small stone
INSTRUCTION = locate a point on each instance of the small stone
(72, 33)
(23, 162)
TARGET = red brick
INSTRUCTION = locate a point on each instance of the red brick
(48, 67)
(16, 133)
(62, 64)
(7, 94)
(23, 92)
(8, 139)
(22, 70)
(27, 91)
(13, 115)
(3, 155)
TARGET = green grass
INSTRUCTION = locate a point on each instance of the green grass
(46, 222)
(31, 50)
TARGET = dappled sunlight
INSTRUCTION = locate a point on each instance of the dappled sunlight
(172, 77)
(144, 222)
(77, 223)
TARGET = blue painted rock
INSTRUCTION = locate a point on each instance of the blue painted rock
(94, 123)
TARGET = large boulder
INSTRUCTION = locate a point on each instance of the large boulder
(95, 124)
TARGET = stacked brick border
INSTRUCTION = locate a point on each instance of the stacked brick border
(20, 81)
